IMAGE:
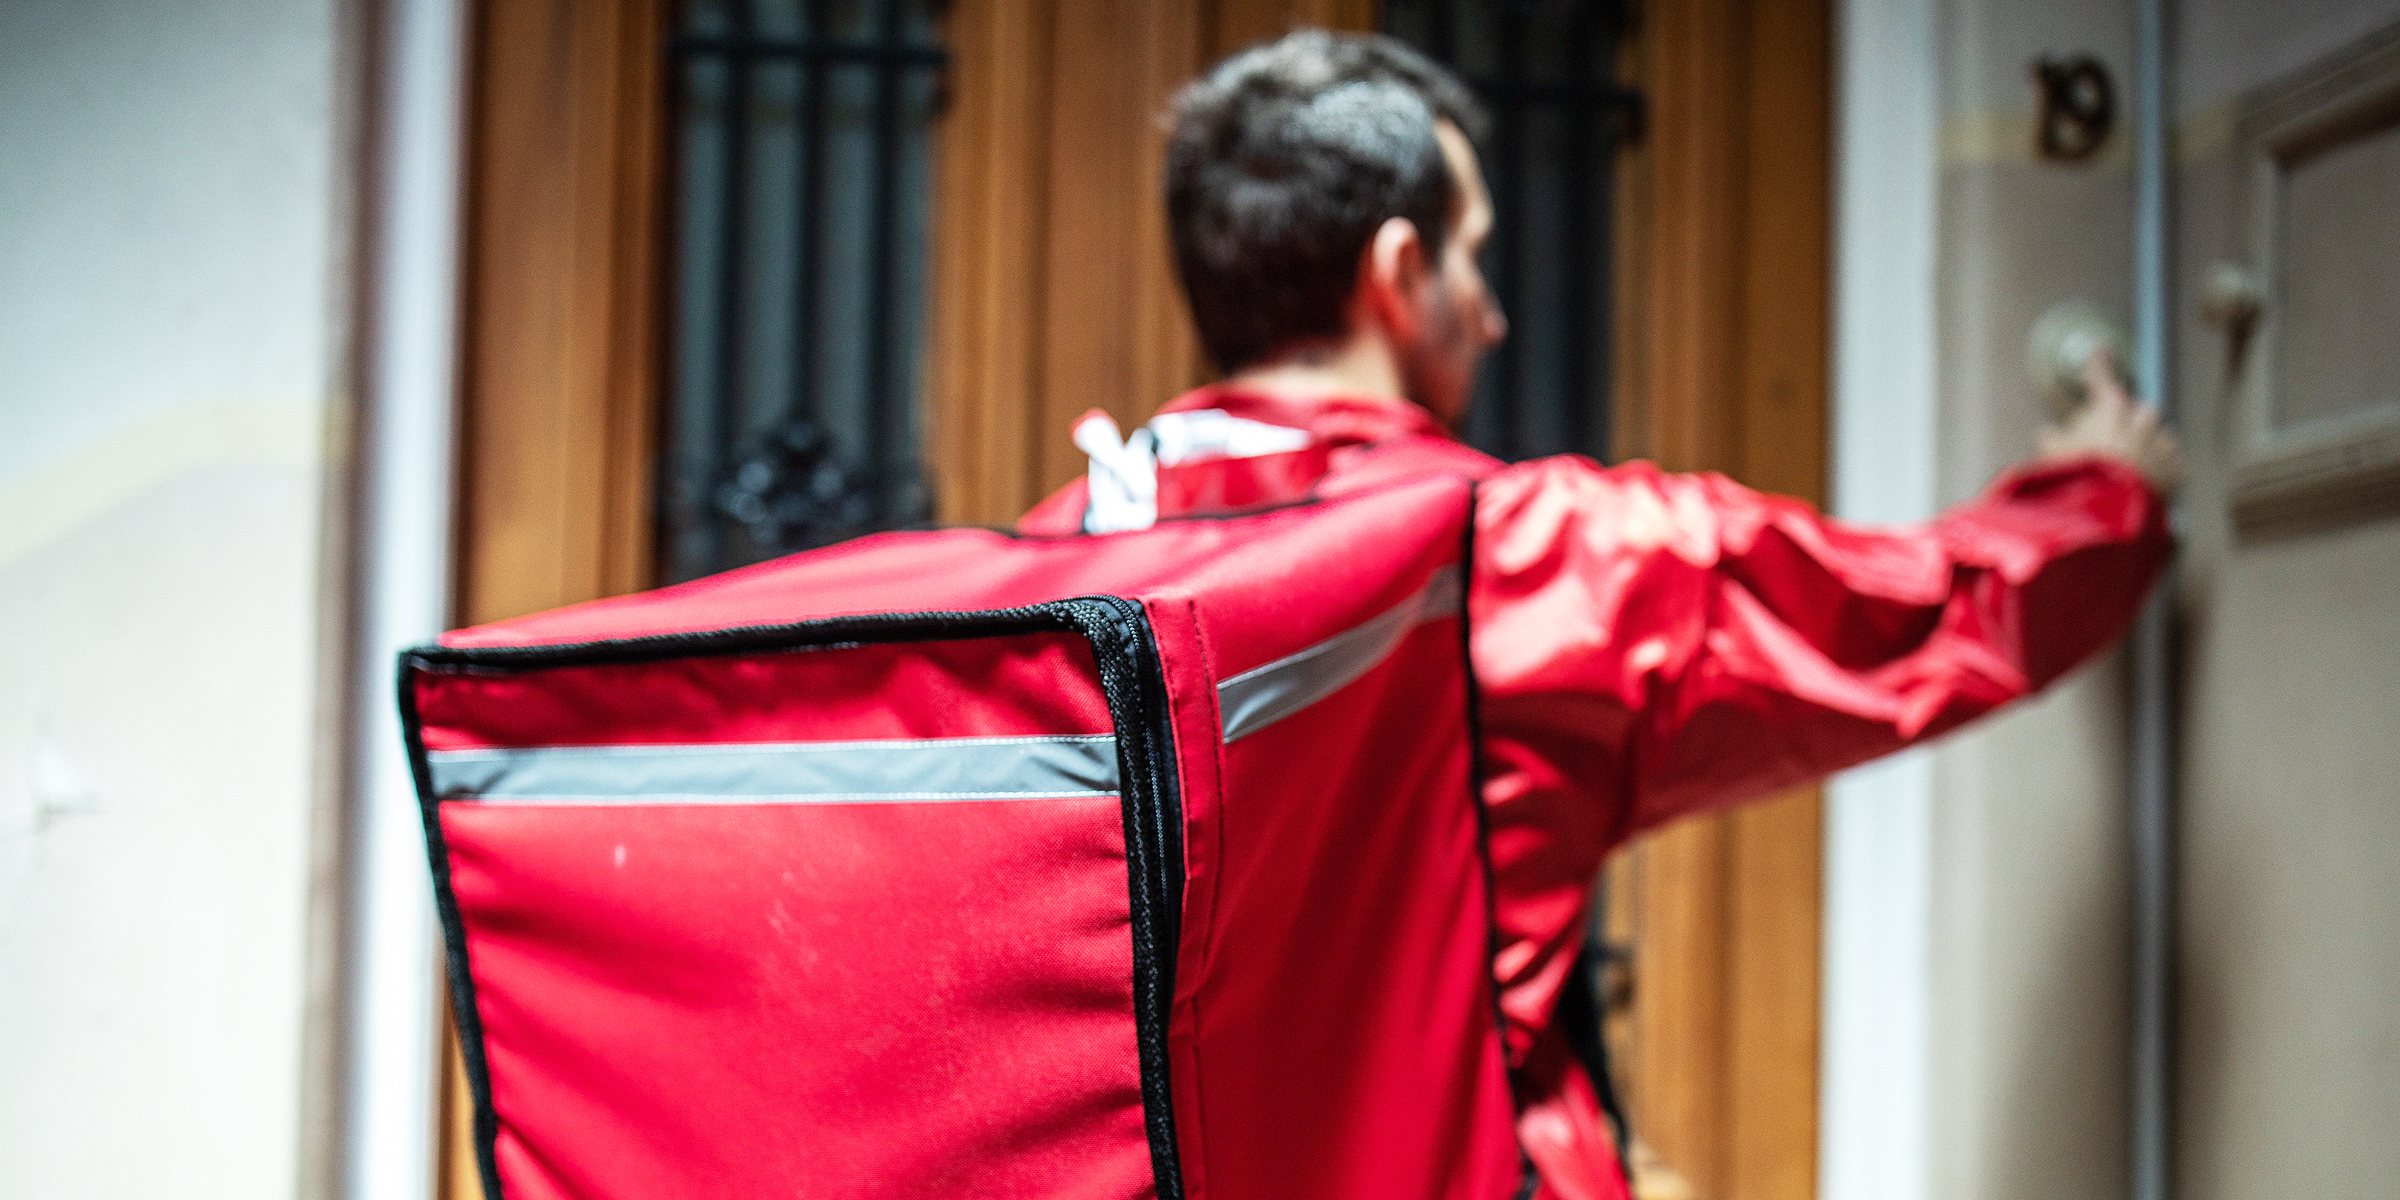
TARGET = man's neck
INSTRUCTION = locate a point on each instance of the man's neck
(1356, 366)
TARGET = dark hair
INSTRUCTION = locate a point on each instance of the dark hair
(1282, 162)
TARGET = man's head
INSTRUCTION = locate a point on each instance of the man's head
(1324, 186)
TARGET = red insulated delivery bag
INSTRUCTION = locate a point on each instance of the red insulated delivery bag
(961, 863)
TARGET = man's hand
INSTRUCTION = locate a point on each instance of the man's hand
(2109, 422)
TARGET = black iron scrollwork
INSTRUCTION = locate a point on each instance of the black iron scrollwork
(804, 135)
(794, 492)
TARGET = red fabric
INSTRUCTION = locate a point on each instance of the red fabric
(899, 999)
(663, 987)
(1279, 575)
(1654, 645)
(1651, 645)
(741, 698)
(968, 1017)
(1418, 1091)
(1234, 484)
(1342, 1001)
(1563, 1130)
(1355, 437)
(751, 995)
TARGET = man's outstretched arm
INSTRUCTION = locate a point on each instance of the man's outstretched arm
(1672, 643)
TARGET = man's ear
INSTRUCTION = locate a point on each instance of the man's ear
(1390, 275)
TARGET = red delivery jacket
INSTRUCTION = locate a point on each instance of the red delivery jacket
(1238, 855)
(1649, 645)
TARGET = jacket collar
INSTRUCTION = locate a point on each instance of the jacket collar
(1336, 420)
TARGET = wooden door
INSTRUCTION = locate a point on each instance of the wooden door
(1053, 293)
(1723, 365)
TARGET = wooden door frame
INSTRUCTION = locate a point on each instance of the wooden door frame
(562, 336)
(1724, 328)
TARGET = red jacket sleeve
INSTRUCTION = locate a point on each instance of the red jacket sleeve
(1663, 644)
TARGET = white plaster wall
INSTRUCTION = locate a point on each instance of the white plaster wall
(169, 319)
(1879, 818)
(2289, 1051)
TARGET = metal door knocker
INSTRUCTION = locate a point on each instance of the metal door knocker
(2078, 107)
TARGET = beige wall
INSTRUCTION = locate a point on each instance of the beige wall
(168, 326)
(2290, 1049)
(2028, 997)
(2290, 1052)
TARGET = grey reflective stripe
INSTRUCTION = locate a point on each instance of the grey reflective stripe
(1261, 696)
(896, 771)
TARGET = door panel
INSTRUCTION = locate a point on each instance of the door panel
(2288, 833)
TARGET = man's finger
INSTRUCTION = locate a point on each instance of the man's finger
(2104, 384)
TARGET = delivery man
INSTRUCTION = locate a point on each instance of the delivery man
(1212, 855)
(1648, 645)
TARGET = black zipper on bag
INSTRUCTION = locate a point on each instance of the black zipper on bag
(463, 1012)
(1133, 682)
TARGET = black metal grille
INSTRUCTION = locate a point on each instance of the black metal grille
(1547, 70)
(803, 133)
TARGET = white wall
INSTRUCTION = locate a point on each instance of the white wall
(169, 322)
(1977, 905)
(1878, 819)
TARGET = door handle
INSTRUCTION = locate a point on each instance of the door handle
(2062, 340)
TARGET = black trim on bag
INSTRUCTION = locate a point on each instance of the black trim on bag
(1530, 1180)
(463, 1013)
(1133, 682)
